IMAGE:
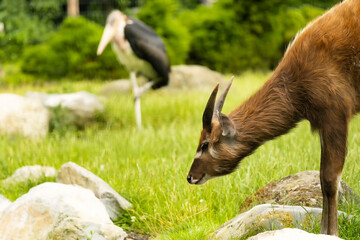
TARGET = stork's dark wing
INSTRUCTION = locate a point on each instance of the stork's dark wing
(147, 45)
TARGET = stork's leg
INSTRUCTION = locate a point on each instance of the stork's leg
(333, 151)
(141, 90)
(136, 100)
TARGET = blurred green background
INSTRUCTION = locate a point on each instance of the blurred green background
(39, 42)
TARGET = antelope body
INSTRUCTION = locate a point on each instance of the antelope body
(318, 79)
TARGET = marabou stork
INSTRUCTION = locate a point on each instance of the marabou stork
(140, 50)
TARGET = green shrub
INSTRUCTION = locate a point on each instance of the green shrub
(43, 60)
(71, 53)
(217, 40)
(295, 19)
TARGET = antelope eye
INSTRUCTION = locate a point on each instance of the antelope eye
(204, 146)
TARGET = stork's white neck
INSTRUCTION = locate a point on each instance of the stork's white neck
(121, 27)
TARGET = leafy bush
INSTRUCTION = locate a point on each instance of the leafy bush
(43, 60)
(216, 38)
(161, 16)
(295, 19)
(232, 36)
(71, 52)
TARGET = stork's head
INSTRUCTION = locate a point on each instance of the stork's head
(115, 24)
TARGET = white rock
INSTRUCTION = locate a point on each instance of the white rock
(71, 173)
(30, 173)
(194, 77)
(122, 86)
(82, 105)
(300, 189)
(291, 234)
(19, 115)
(267, 216)
(58, 211)
(4, 203)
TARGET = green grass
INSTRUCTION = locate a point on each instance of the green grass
(149, 168)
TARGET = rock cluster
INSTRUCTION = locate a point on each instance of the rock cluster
(301, 189)
(78, 206)
(82, 106)
(58, 211)
(30, 116)
(293, 201)
(71, 173)
(267, 217)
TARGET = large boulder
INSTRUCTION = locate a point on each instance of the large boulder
(4, 203)
(30, 173)
(267, 217)
(71, 173)
(58, 211)
(298, 189)
(22, 116)
(82, 106)
(122, 86)
(194, 77)
(291, 234)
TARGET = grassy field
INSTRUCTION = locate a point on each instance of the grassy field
(149, 168)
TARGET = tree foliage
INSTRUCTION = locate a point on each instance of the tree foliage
(232, 36)
(161, 15)
(26, 23)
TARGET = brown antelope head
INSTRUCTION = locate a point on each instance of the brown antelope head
(215, 155)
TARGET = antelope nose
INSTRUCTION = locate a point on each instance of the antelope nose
(189, 178)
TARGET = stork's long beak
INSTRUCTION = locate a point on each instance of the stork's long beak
(107, 36)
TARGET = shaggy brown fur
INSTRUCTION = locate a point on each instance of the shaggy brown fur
(318, 79)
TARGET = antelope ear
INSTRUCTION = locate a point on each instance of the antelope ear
(227, 126)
